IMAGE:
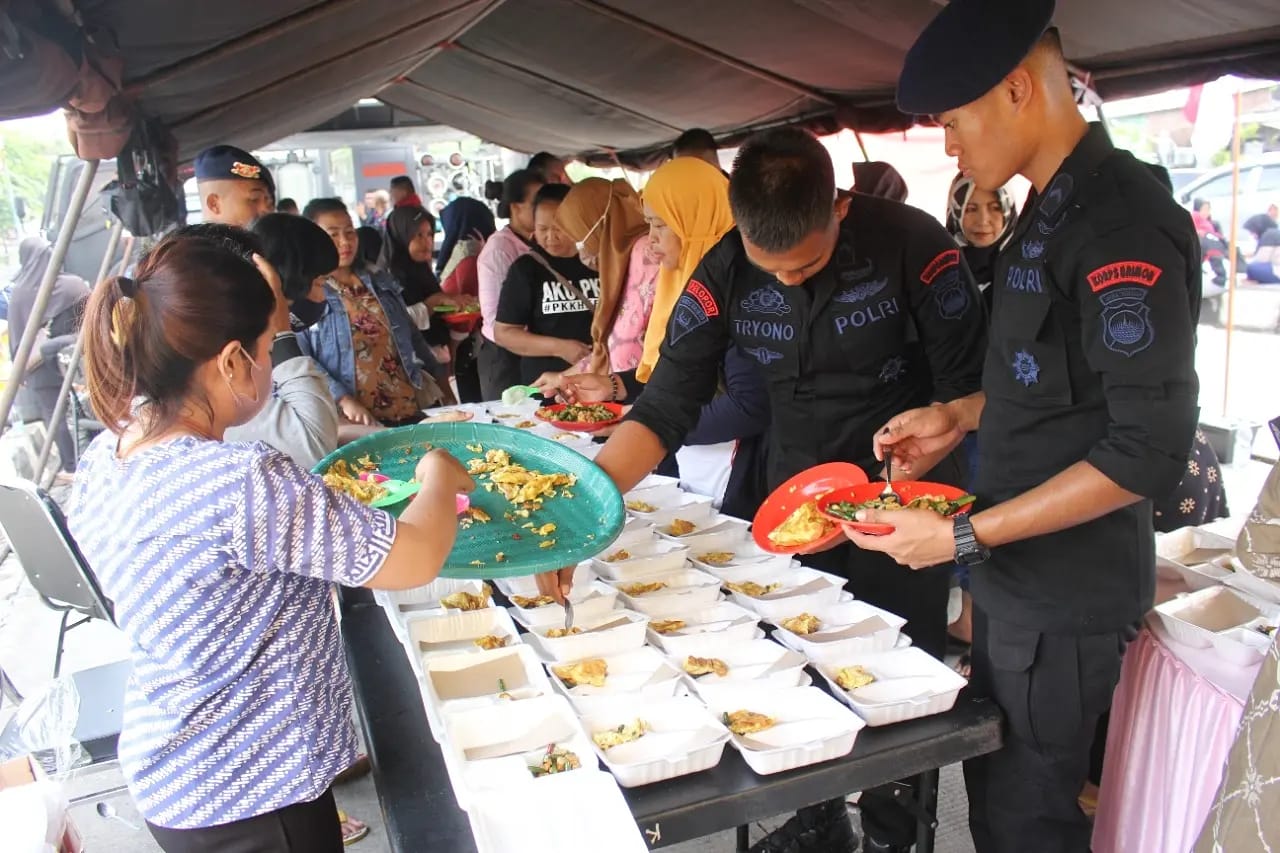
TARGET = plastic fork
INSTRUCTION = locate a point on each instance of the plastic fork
(887, 491)
(568, 614)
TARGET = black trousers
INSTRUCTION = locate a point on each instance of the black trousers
(499, 369)
(466, 370)
(301, 828)
(1052, 689)
(47, 400)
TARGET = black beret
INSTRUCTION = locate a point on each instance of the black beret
(969, 47)
(226, 162)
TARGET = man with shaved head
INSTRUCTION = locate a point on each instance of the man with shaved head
(1087, 411)
(235, 189)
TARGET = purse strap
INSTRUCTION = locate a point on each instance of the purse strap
(565, 282)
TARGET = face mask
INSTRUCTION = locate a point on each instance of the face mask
(306, 313)
(253, 371)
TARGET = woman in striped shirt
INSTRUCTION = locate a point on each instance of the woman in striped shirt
(220, 559)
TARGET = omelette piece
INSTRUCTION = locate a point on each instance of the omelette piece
(853, 677)
(747, 722)
(680, 527)
(621, 554)
(545, 530)
(705, 666)
(806, 524)
(716, 558)
(805, 623)
(754, 589)
(667, 626)
(642, 588)
(489, 642)
(557, 633)
(591, 672)
(641, 506)
(467, 600)
(625, 733)
(525, 603)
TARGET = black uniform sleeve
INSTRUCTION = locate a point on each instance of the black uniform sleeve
(515, 304)
(687, 373)
(948, 311)
(1134, 287)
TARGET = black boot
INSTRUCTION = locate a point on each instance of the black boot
(824, 828)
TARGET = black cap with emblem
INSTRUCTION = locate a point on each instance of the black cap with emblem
(228, 163)
(969, 47)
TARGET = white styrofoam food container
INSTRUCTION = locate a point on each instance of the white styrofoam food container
(638, 674)
(594, 644)
(910, 684)
(1245, 646)
(823, 729)
(746, 554)
(686, 589)
(434, 633)
(646, 558)
(602, 820)
(510, 722)
(719, 533)
(1194, 619)
(471, 680)
(528, 584)
(402, 601)
(748, 662)
(822, 646)
(707, 629)
(660, 495)
(782, 604)
(683, 738)
(589, 601)
(1252, 585)
(671, 505)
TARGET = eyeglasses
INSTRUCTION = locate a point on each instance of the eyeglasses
(579, 245)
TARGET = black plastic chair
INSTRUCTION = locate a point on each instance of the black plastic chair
(38, 532)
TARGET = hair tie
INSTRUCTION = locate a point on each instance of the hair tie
(124, 312)
(128, 286)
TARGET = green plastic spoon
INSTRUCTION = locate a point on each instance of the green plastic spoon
(517, 394)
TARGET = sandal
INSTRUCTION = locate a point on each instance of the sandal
(352, 830)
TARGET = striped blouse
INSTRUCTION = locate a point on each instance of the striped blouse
(220, 560)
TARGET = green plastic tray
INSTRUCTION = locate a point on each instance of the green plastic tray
(586, 524)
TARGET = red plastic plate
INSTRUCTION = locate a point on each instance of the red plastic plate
(462, 319)
(908, 490)
(808, 485)
(572, 426)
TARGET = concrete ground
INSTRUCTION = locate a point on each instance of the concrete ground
(28, 633)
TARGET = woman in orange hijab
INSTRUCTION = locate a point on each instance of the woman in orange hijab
(606, 221)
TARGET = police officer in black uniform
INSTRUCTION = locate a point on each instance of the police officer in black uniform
(855, 307)
(1087, 412)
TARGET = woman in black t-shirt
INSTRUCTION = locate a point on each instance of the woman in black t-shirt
(540, 317)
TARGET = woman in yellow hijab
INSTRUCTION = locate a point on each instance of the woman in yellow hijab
(686, 203)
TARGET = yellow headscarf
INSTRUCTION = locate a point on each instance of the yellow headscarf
(692, 197)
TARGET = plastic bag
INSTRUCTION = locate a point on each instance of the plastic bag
(43, 726)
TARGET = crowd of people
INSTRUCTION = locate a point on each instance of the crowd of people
(1043, 360)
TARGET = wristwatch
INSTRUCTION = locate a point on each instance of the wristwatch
(969, 551)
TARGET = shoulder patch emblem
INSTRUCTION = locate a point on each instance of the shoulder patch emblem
(694, 309)
(944, 260)
(1124, 272)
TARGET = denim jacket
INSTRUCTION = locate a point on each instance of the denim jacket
(329, 340)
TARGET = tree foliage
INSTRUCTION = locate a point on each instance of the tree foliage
(25, 162)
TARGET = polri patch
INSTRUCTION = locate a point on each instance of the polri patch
(943, 261)
(1124, 272)
(1126, 321)
(694, 309)
(1025, 368)
(950, 295)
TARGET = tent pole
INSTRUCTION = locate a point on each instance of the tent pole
(64, 393)
(65, 235)
(862, 145)
(1231, 248)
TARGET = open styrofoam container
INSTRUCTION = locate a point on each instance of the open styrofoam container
(551, 432)
(602, 820)
(593, 644)
(429, 635)
(707, 629)
(1245, 646)
(669, 505)
(822, 729)
(508, 415)
(717, 533)
(662, 495)
(646, 558)
(748, 662)
(683, 738)
(589, 601)
(1199, 556)
(686, 589)
(525, 728)
(744, 552)
(910, 683)
(803, 590)
(656, 480)
(475, 680)
(638, 674)
(845, 630)
(398, 602)
(527, 585)
(1195, 618)
(1250, 584)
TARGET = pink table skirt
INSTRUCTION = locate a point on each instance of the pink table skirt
(1170, 733)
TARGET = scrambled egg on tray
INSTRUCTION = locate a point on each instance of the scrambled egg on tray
(625, 733)
(705, 666)
(805, 623)
(342, 478)
(853, 677)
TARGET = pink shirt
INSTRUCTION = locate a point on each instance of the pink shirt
(499, 253)
(626, 341)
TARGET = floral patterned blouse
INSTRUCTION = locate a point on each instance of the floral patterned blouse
(382, 384)
(626, 340)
